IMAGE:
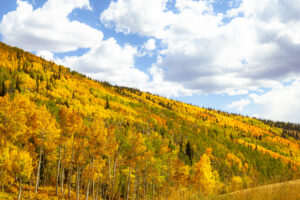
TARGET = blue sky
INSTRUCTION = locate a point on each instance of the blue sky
(239, 56)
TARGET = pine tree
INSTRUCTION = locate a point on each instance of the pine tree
(3, 90)
(37, 83)
(18, 84)
(107, 104)
(189, 152)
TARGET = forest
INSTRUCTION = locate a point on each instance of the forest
(66, 136)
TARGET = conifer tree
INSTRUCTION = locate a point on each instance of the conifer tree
(3, 89)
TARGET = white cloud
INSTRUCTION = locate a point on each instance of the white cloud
(147, 48)
(257, 48)
(111, 62)
(45, 54)
(138, 16)
(162, 87)
(150, 45)
(239, 104)
(281, 103)
(48, 28)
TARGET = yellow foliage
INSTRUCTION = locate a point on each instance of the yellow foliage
(205, 178)
(236, 183)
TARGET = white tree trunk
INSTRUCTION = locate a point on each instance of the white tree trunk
(88, 183)
(20, 190)
(38, 171)
(128, 186)
(57, 173)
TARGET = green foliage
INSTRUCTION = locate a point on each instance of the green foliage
(127, 140)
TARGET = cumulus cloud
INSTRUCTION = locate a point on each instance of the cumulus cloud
(165, 88)
(138, 16)
(45, 54)
(147, 48)
(150, 45)
(281, 103)
(257, 47)
(108, 61)
(239, 104)
(48, 28)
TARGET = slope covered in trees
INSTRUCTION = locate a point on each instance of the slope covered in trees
(63, 134)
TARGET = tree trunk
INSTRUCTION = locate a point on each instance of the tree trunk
(128, 186)
(71, 169)
(138, 188)
(45, 172)
(20, 190)
(102, 189)
(93, 182)
(57, 173)
(93, 188)
(62, 177)
(135, 184)
(88, 183)
(146, 190)
(38, 171)
(29, 188)
(144, 187)
(153, 190)
(2, 182)
(109, 177)
(78, 183)
(97, 189)
(134, 189)
(114, 171)
(62, 180)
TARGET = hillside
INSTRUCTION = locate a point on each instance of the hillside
(284, 190)
(64, 134)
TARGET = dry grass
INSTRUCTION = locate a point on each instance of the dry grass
(280, 191)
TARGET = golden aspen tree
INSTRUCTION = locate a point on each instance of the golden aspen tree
(96, 144)
(44, 133)
(135, 149)
(21, 167)
(236, 183)
(205, 178)
(111, 151)
(70, 123)
(13, 119)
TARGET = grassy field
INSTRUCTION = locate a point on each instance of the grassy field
(280, 191)
(289, 190)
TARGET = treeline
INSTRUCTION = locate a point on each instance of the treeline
(290, 129)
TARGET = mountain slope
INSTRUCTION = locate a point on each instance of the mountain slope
(58, 126)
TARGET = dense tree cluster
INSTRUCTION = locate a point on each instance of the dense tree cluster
(63, 134)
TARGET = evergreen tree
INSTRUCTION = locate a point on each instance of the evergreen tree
(107, 104)
(3, 90)
(18, 84)
(37, 83)
(189, 152)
